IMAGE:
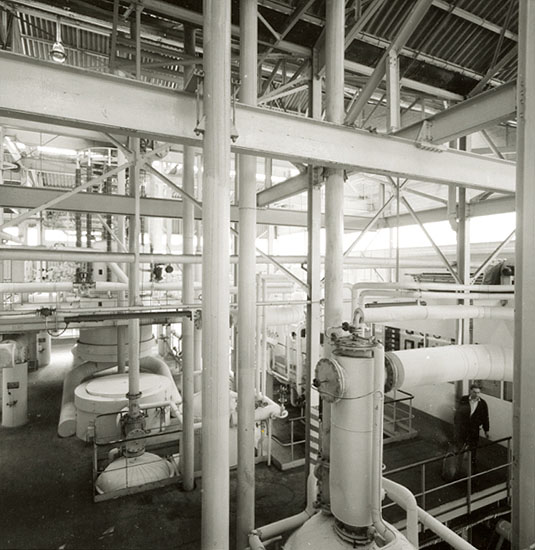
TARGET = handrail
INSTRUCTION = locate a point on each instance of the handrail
(441, 457)
(463, 480)
(401, 399)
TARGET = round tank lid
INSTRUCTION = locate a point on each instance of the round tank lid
(116, 385)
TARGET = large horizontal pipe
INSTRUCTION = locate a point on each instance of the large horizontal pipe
(290, 315)
(419, 367)
(434, 286)
(391, 295)
(411, 313)
(46, 254)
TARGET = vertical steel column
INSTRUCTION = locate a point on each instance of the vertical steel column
(188, 275)
(334, 193)
(215, 277)
(313, 319)
(245, 520)
(114, 32)
(1, 208)
(463, 272)
(524, 369)
(188, 347)
(122, 330)
(133, 287)
(139, 9)
(393, 121)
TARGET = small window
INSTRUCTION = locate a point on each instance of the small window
(409, 344)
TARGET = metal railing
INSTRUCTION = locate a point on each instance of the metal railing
(467, 503)
(292, 443)
(396, 415)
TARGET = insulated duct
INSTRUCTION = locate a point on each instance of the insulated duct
(411, 313)
(285, 315)
(419, 367)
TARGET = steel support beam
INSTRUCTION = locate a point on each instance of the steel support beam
(524, 356)
(262, 132)
(14, 196)
(215, 277)
(393, 119)
(487, 109)
(430, 239)
(473, 18)
(484, 208)
(283, 190)
(409, 25)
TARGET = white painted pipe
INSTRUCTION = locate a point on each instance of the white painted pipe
(35, 287)
(188, 297)
(246, 371)
(377, 449)
(284, 315)
(410, 313)
(118, 272)
(443, 287)
(299, 360)
(404, 498)
(171, 404)
(159, 366)
(215, 275)
(352, 443)
(446, 534)
(368, 295)
(267, 408)
(282, 526)
(433, 286)
(419, 367)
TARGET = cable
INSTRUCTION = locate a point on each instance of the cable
(57, 334)
(345, 398)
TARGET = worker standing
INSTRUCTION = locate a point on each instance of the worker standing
(471, 415)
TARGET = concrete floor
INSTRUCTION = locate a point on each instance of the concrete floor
(46, 492)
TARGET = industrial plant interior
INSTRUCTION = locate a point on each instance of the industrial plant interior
(267, 274)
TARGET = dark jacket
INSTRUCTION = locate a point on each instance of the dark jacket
(467, 426)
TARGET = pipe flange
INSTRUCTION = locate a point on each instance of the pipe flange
(330, 380)
(393, 372)
(357, 536)
(354, 346)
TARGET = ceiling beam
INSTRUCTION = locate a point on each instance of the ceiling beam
(15, 196)
(487, 109)
(409, 25)
(487, 207)
(105, 103)
(284, 190)
(473, 18)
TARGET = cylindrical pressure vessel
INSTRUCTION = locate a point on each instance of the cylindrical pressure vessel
(15, 395)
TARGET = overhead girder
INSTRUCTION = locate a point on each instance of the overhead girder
(484, 110)
(16, 196)
(74, 97)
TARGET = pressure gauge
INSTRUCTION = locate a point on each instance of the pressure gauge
(330, 380)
